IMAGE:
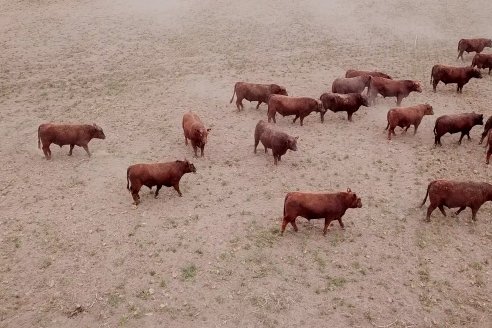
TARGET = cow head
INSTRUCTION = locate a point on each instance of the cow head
(364, 101)
(416, 86)
(428, 110)
(477, 119)
(98, 132)
(189, 167)
(488, 43)
(292, 143)
(279, 90)
(319, 106)
(353, 200)
(475, 72)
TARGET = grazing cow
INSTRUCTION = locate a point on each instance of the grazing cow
(456, 123)
(298, 106)
(406, 116)
(354, 73)
(195, 131)
(489, 151)
(330, 206)
(351, 84)
(482, 61)
(487, 127)
(457, 194)
(349, 103)
(449, 74)
(67, 134)
(272, 138)
(472, 45)
(391, 88)
(255, 92)
(156, 174)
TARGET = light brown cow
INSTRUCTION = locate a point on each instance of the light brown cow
(195, 131)
(298, 106)
(391, 88)
(353, 73)
(350, 84)
(255, 92)
(272, 138)
(404, 117)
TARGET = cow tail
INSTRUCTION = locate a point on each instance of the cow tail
(459, 44)
(432, 74)
(426, 194)
(128, 178)
(233, 93)
(39, 137)
(387, 126)
(435, 128)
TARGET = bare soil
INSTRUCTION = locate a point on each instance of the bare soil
(75, 253)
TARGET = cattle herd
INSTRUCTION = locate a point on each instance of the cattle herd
(347, 96)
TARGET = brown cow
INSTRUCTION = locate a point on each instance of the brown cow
(255, 92)
(278, 141)
(487, 127)
(457, 194)
(482, 61)
(156, 174)
(472, 45)
(351, 84)
(391, 88)
(67, 134)
(406, 116)
(456, 123)
(195, 131)
(449, 74)
(489, 151)
(298, 106)
(354, 73)
(330, 206)
(349, 103)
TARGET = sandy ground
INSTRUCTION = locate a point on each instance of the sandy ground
(74, 252)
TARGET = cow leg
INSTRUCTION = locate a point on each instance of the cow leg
(327, 223)
(490, 68)
(176, 186)
(474, 213)
(405, 129)
(239, 103)
(294, 225)
(434, 85)
(349, 116)
(258, 106)
(462, 135)
(459, 89)
(286, 221)
(341, 223)
(322, 115)
(489, 153)
(437, 140)
(266, 150)
(389, 134)
(441, 208)
(462, 208)
(201, 150)
(135, 188)
(195, 149)
(274, 158)
(71, 149)
(47, 151)
(301, 120)
(186, 141)
(279, 157)
(460, 54)
(430, 209)
(468, 135)
(86, 148)
(157, 190)
(399, 98)
(415, 127)
(295, 118)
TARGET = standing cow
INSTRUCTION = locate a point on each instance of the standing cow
(391, 88)
(67, 134)
(472, 45)
(456, 123)
(298, 106)
(354, 73)
(454, 194)
(194, 130)
(330, 206)
(449, 74)
(482, 61)
(406, 116)
(349, 103)
(278, 141)
(351, 84)
(486, 128)
(255, 92)
(157, 174)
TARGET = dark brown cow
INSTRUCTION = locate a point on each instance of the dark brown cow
(255, 92)
(330, 206)
(456, 123)
(487, 127)
(298, 106)
(391, 88)
(472, 45)
(354, 73)
(404, 117)
(349, 103)
(195, 131)
(67, 134)
(449, 74)
(157, 174)
(482, 61)
(489, 151)
(454, 194)
(351, 84)
(272, 138)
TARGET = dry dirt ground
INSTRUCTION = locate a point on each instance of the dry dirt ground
(75, 253)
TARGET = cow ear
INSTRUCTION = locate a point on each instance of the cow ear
(348, 190)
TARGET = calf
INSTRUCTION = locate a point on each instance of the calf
(482, 61)
(457, 194)
(349, 103)
(391, 88)
(456, 123)
(330, 206)
(278, 141)
(195, 131)
(157, 174)
(255, 92)
(472, 45)
(487, 127)
(298, 106)
(67, 134)
(355, 84)
(489, 151)
(406, 116)
(449, 74)
(354, 73)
